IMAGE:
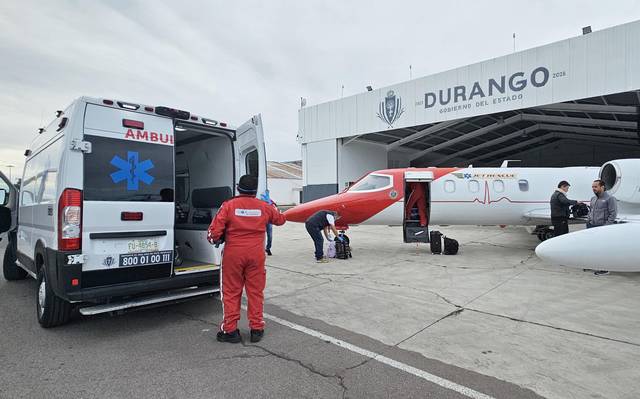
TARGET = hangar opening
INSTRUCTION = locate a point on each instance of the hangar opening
(571, 103)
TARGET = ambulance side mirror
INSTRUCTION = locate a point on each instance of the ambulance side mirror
(4, 197)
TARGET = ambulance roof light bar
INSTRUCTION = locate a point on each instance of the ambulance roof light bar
(130, 106)
(209, 122)
(172, 113)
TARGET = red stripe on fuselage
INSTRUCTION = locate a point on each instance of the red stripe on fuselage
(356, 207)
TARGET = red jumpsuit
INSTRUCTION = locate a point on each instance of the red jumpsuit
(418, 197)
(243, 220)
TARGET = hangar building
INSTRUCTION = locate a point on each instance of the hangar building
(573, 102)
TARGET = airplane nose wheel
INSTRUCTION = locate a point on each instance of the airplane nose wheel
(545, 234)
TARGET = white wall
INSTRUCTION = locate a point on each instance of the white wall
(319, 162)
(285, 191)
(600, 63)
(357, 158)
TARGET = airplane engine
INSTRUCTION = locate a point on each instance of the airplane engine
(622, 179)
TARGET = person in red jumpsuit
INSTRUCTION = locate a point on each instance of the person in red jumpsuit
(418, 197)
(241, 223)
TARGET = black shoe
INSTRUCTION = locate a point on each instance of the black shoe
(601, 272)
(268, 251)
(256, 335)
(232, 338)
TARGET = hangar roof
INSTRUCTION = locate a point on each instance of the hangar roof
(586, 87)
(284, 170)
(490, 138)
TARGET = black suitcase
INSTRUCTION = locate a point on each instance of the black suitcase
(450, 246)
(435, 240)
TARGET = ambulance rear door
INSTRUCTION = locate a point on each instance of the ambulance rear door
(251, 157)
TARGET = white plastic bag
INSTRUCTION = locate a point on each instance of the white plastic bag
(331, 250)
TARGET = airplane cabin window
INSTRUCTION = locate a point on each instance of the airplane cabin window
(371, 182)
(449, 186)
(498, 186)
(474, 186)
(524, 185)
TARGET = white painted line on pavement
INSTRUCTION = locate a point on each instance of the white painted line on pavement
(383, 359)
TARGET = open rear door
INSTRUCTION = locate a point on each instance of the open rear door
(8, 204)
(418, 184)
(251, 157)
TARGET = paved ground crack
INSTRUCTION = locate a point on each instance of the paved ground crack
(314, 275)
(308, 367)
(496, 287)
(242, 356)
(498, 245)
(288, 294)
(450, 314)
(198, 319)
(553, 327)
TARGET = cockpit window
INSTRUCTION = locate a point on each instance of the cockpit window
(371, 182)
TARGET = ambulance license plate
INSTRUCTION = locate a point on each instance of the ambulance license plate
(145, 258)
(134, 246)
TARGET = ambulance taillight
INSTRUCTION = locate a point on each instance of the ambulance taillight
(70, 220)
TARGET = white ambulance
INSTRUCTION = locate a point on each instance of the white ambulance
(111, 192)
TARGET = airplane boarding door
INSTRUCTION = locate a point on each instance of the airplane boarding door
(417, 205)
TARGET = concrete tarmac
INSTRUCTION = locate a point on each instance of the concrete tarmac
(493, 319)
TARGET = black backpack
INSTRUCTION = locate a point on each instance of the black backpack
(580, 210)
(343, 249)
(450, 246)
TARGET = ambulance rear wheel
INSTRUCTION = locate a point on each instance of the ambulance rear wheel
(51, 310)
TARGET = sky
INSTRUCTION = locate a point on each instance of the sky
(229, 60)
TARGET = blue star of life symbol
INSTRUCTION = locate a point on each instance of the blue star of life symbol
(131, 170)
(467, 175)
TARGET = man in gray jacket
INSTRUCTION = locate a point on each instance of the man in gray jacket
(604, 210)
(560, 209)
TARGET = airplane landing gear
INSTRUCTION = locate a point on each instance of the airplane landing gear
(544, 232)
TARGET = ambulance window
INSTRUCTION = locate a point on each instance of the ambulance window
(251, 163)
(49, 189)
(126, 170)
(498, 186)
(474, 186)
(371, 182)
(523, 184)
(28, 197)
(37, 188)
(27, 193)
(449, 186)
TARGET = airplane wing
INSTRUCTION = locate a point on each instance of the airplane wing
(610, 247)
(628, 218)
(539, 216)
(542, 216)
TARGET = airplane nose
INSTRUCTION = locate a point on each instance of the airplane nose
(296, 214)
(553, 250)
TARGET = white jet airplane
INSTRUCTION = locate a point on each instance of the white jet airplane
(613, 247)
(452, 196)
